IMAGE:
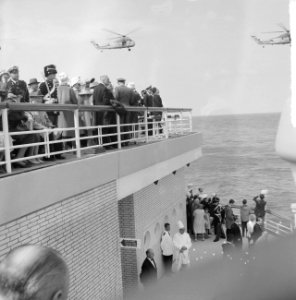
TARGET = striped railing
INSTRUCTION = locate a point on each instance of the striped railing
(145, 129)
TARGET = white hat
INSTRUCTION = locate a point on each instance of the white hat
(263, 192)
(180, 225)
(75, 80)
(131, 85)
(63, 77)
(203, 196)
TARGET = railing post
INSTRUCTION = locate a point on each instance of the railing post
(293, 207)
(6, 139)
(165, 128)
(190, 121)
(77, 133)
(146, 125)
(47, 147)
(118, 130)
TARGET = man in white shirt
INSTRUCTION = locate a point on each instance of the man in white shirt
(167, 249)
(182, 243)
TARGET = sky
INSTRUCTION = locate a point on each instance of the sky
(199, 53)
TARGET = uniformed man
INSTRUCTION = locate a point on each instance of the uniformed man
(48, 89)
(17, 89)
(167, 249)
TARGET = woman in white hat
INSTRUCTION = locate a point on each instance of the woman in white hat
(182, 243)
(66, 95)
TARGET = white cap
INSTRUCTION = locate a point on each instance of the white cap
(180, 225)
(75, 80)
(63, 77)
(263, 192)
(203, 196)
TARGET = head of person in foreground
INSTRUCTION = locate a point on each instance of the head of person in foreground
(33, 272)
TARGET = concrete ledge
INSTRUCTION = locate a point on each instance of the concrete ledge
(27, 192)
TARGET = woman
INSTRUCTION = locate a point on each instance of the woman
(199, 222)
(66, 95)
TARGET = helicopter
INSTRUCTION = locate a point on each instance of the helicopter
(283, 39)
(120, 42)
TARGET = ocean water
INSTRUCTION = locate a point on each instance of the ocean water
(239, 160)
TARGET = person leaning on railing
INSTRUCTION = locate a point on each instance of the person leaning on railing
(17, 91)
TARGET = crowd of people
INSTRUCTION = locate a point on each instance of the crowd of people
(58, 88)
(206, 215)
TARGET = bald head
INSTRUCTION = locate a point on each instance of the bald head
(105, 79)
(35, 273)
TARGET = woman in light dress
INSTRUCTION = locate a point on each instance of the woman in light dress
(199, 222)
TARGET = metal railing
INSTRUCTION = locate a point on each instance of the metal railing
(144, 129)
(274, 223)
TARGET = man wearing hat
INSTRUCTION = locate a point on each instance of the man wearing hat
(182, 243)
(125, 96)
(48, 89)
(33, 87)
(17, 89)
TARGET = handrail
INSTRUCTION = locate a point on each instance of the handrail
(138, 128)
(72, 107)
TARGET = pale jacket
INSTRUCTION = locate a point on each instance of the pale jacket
(181, 240)
(166, 244)
(250, 228)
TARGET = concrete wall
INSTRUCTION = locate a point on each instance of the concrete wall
(84, 228)
(82, 207)
(154, 206)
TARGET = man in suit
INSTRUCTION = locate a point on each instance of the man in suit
(102, 96)
(148, 274)
(125, 96)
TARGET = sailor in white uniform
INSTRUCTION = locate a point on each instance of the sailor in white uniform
(182, 243)
(167, 249)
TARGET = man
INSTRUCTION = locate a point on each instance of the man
(189, 211)
(136, 101)
(125, 96)
(33, 272)
(33, 87)
(182, 243)
(17, 89)
(148, 102)
(236, 234)
(229, 218)
(148, 274)
(48, 89)
(157, 102)
(216, 213)
(102, 96)
(167, 249)
(244, 214)
(257, 231)
(260, 205)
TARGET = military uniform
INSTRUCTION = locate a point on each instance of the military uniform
(49, 88)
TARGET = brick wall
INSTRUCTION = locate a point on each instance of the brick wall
(128, 255)
(155, 205)
(85, 230)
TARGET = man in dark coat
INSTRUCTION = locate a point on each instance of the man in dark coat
(260, 206)
(236, 234)
(148, 102)
(102, 96)
(148, 274)
(125, 96)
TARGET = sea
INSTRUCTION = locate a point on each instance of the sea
(239, 160)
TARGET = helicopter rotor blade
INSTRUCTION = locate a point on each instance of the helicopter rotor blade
(133, 31)
(285, 28)
(110, 31)
(273, 31)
